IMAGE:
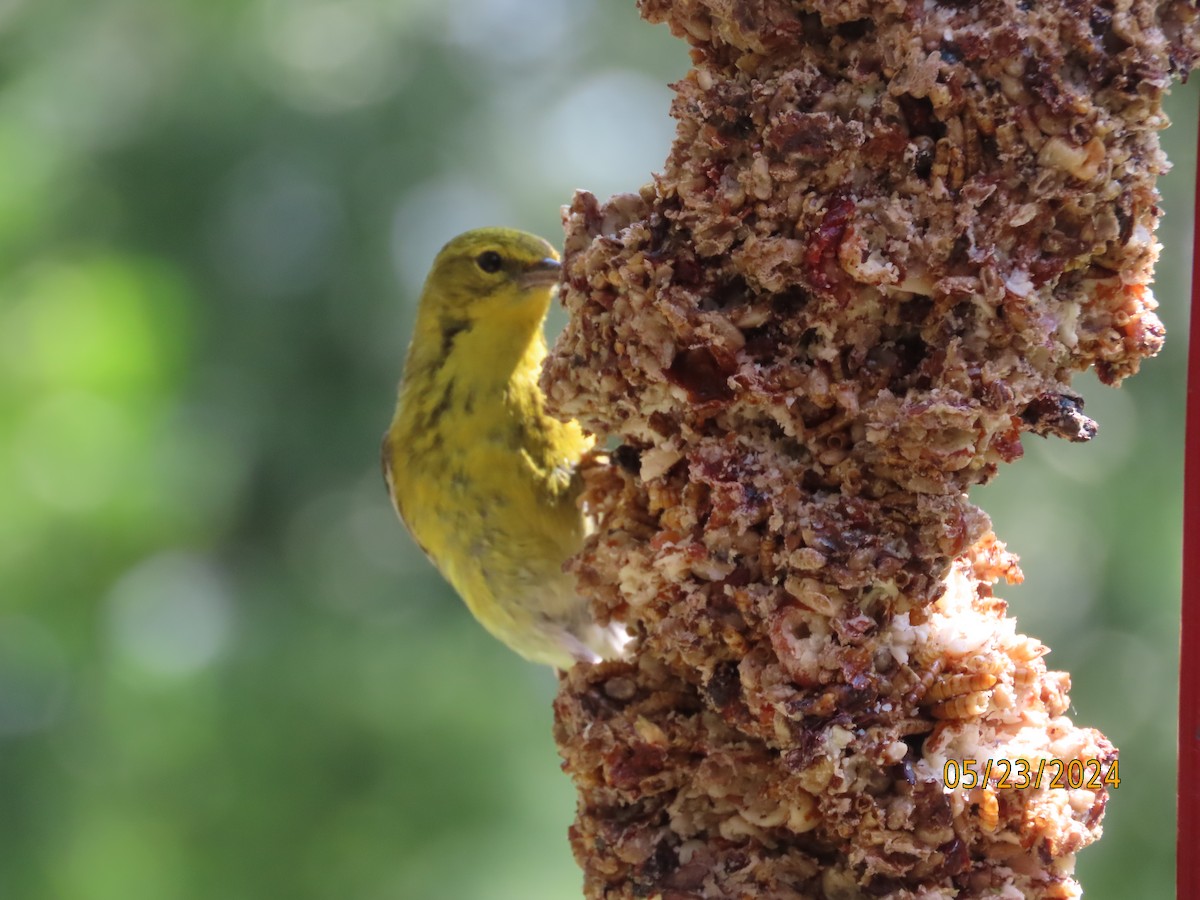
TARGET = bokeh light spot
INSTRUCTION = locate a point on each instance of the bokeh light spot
(512, 32)
(329, 55)
(608, 134)
(107, 323)
(171, 615)
(73, 450)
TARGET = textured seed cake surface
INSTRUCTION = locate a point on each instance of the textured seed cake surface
(886, 237)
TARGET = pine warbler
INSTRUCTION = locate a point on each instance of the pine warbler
(485, 480)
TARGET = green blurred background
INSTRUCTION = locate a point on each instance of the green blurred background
(224, 670)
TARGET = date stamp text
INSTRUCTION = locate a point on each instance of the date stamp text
(1019, 774)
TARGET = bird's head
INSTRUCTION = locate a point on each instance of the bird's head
(491, 271)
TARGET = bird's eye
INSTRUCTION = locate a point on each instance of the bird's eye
(489, 261)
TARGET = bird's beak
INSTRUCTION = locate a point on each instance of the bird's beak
(542, 273)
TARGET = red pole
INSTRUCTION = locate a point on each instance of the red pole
(1187, 867)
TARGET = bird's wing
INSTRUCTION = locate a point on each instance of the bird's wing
(385, 459)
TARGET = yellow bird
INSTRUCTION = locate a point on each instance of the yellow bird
(485, 480)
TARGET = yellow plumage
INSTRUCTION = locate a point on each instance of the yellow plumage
(485, 480)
